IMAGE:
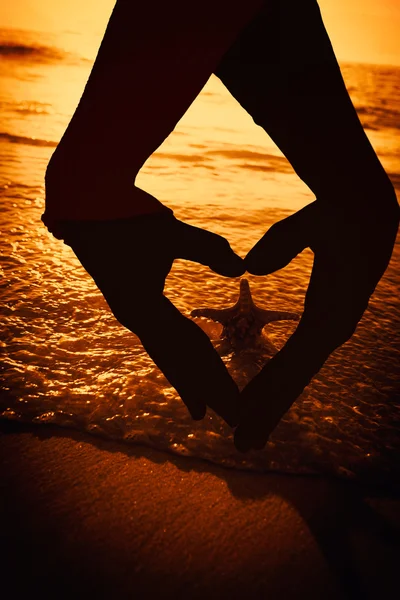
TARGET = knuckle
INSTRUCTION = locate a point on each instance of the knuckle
(222, 243)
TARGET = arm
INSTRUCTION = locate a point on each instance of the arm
(284, 72)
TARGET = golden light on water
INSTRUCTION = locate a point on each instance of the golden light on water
(361, 30)
(70, 363)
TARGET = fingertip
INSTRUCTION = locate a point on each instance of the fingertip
(265, 265)
(242, 441)
(197, 412)
(237, 266)
(207, 248)
(256, 265)
(282, 242)
(260, 444)
(197, 409)
(231, 265)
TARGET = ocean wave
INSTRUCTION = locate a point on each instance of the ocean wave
(267, 168)
(395, 179)
(30, 52)
(32, 107)
(379, 117)
(29, 141)
(270, 162)
(191, 158)
(258, 161)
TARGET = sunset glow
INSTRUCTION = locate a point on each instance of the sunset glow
(361, 30)
(68, 361)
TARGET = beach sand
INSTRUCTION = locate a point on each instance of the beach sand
(87, 517)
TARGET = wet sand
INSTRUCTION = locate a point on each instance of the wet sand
(86, 517)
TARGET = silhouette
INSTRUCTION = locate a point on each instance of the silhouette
(275, 58)
(119, 254)
(243, 323)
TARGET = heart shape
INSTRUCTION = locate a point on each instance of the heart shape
(129, 260)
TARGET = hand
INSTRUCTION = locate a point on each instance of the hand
(129, 260)
(352, 251)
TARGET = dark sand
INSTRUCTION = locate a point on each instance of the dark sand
(89, 518)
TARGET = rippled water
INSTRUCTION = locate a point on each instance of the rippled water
(65, 360)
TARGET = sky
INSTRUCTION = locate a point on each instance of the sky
(360, 30)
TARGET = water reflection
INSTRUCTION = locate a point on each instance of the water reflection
(65, 359)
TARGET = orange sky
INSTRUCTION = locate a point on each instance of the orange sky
(361, 30)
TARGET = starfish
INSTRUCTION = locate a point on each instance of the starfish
(244, 321)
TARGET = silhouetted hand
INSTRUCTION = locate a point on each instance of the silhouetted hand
(129, 260)
(352, 248)
(177, 345)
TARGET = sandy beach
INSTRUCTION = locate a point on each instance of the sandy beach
(83, 516)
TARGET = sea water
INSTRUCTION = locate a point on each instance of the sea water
(65, 359)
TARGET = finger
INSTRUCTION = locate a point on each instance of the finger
(161, 329)
(282, 242)
(197, 410)
(335, 301)
(138, 304)
(266, 399)
(129, 262)
(207, 248)
(186, 356)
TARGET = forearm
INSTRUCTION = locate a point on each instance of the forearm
(153, 61)
(283, 71)
(310, 115)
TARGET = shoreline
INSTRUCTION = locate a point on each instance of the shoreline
(371, 487)
(94, 516)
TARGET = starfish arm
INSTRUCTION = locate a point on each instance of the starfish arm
(267, 316)
(269, 345)
(219, 315)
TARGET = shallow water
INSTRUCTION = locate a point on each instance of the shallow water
(65, 360)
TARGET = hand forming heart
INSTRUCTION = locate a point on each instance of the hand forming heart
(352, 248)
(351, 254)
(129, 260)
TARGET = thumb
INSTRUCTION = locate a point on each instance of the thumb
(282, 242)
(207, 248)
